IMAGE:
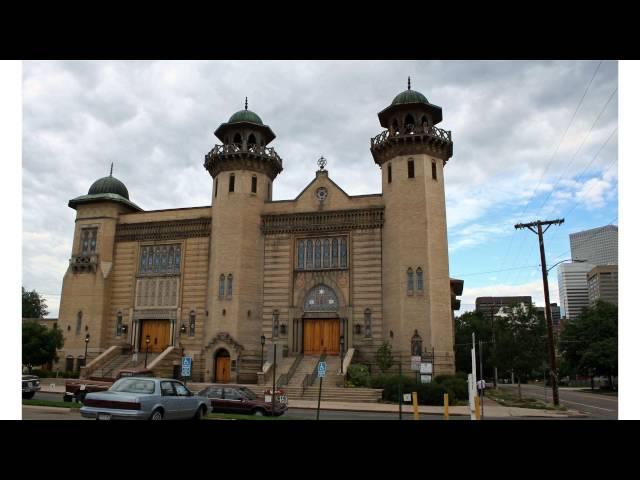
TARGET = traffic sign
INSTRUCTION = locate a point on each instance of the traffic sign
(322, 369)
(186, 366)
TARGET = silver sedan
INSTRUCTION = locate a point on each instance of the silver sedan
(143, 398)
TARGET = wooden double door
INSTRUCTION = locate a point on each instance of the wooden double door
(320, 334)
(158, 332)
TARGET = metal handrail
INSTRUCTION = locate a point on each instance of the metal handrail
(310, 378)
(285, 377)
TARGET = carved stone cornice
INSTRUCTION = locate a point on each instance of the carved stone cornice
(352, 219)
(235, 157)
(163, 230)
(224, 337)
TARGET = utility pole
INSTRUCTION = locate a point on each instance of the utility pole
(547, 306)
(493, 338)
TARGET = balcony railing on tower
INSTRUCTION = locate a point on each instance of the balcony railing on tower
(414, 134)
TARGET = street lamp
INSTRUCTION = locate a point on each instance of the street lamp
(341, 353)
(86, 346)
(262, 341)
(563, 261)
(147, 341)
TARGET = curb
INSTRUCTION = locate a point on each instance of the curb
(49, 409)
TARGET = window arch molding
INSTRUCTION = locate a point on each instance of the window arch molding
(321, 298)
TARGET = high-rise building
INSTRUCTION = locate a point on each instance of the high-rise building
(598, 246)
(573, 289)
(602, 282)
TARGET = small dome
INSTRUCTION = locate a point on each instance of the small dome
(245, 116)
(109, 185)
(409, 96)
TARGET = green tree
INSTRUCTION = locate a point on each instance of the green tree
(384, 358)
(39, 344)
(521, 343)
(33, 305)
(589, 343)
(467, 324)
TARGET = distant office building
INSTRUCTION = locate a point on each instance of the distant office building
(598, 246)
(574, 292)
(602, 283)
(500, 305)
(555, 314)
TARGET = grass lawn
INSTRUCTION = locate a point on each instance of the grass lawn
(511, 400)
(51, 403)
(239, 416)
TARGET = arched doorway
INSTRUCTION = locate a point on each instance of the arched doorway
(222, 369)
(321, 322)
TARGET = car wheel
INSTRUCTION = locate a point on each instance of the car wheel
(80, 396)
(28, 395)
(258, 412)
(199, 413)
(156, 415)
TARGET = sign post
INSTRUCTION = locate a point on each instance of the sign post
(186, 369)
(322, 371)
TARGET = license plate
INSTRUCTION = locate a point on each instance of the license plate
(83, 387)
(104, 416)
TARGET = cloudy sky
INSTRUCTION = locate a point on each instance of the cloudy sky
(531, 140)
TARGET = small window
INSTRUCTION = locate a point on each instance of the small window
(79, 323)
(389, 173)
(410, 280)
(232, 183)
(237, 138)
(252, 140)
(367, 323)
(420, 279)
(192, 323)
(68, 365)
(434, 173)
(229, 285)
(254, 184)
(411, 171)
(221, 286)
(215, 195)
(276, 324)
(88, 241)
(119, 325)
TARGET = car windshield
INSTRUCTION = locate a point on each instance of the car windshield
(134, 385)
(248, 393)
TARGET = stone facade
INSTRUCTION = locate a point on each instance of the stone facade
(216, 280)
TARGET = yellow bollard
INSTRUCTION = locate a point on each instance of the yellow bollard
(446, 406)
(416, 414)
(477, 399)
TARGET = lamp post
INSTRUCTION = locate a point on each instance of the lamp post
(341, 354)
(262, 341)
(86, 346)
(147, 341)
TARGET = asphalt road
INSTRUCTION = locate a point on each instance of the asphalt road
(594, 404)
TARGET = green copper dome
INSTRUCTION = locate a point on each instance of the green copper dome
(245, 116)
(409, 96)
(109, 185)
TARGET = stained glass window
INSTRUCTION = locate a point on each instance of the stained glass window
(318, 254)
(88, 239)
(410, 280)
(160, 259)
(301, 254)
(420, 279)
(143, 260)
(343, 253)
(322, 253)
(221, 286)
(321, 298)
(326, 262)
(309, 263)
(229, 285)
(334, 252)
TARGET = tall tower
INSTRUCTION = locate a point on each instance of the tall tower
(243, 169)
(412, 152)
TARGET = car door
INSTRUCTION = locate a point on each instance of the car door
(216, 399)
(186, 401)
(168, 393)
(233, 400)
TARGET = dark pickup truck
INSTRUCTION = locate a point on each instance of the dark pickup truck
(78, 389)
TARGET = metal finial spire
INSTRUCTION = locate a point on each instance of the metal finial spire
(409, 84)
(246, 103)
(322, 162)
(111, 172)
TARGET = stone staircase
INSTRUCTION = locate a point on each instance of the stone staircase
(110, 369)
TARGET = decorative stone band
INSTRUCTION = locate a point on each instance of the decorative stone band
(431, 140)
(156, 314)
(352, 219)
(169, 230)
(235, 157)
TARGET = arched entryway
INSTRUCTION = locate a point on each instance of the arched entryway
(222, 366)
(321, 322)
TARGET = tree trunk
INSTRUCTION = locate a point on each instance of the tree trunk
(611, 382)
(592, 382)
(519, 389)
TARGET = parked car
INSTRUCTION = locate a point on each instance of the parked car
(227, 398)
(77, 389)
(144, 398)
(30, 385)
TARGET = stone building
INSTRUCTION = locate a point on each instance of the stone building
(325, 272)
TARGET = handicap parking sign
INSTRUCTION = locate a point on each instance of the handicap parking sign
(186, 366)
(322, 369)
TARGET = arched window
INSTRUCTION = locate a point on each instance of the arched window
(229, 285)
(367, 323)
(334, 252)
(420, 279)
(221, 286)
(119, 325)
(276, 324)
(409, 123)
(416, 344)
(192, 323)
(424, 122)
(79, 323)
(318, 254)
(321, 298)
(326, 260)
(252, 140)
(237, 138)
(309, 263)
(395, 129)
(301, 254)
(410, 280)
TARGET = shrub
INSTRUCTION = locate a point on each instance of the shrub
(455, 386)
(358, 375)
(432, 394)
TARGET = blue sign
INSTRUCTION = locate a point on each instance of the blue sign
(322, 369)
(186, 366)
